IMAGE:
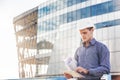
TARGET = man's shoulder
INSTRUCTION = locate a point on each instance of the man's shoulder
(100, 44)
(78, 49)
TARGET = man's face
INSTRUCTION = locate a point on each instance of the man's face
(86, 34)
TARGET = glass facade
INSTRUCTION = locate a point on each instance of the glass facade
(78, 14)
(86, 12)
(57, 37)
(58, 5)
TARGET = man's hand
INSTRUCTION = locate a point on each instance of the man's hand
(82, 70)
(68, 76)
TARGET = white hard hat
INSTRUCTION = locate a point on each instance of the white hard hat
(85, 23)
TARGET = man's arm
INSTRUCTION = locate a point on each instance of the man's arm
(76, 55)
(104, 58)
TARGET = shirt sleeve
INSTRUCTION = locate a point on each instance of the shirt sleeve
(76, 55)
(104, 61)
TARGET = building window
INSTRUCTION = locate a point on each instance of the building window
(116, 4)
(79, 1)
(70, 17)
(78, 13)
(108, 23)
(63, 18)
(71, 2)
(85, 12)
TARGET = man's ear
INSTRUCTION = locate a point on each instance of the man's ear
(92, 29)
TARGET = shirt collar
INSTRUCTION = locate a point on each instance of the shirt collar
(92, 42)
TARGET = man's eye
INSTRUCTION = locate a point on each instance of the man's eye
(84, 32)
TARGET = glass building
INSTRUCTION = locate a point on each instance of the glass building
(57, 37)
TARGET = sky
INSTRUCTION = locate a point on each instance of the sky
(8, 51)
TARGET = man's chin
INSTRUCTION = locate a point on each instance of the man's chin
(84, 41)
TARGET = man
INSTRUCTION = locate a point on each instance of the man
(92, 56)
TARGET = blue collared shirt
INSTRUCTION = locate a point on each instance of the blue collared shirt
(94, 58)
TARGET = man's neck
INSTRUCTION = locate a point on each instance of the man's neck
(88, 42)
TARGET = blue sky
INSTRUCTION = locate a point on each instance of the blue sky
(8, 52)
